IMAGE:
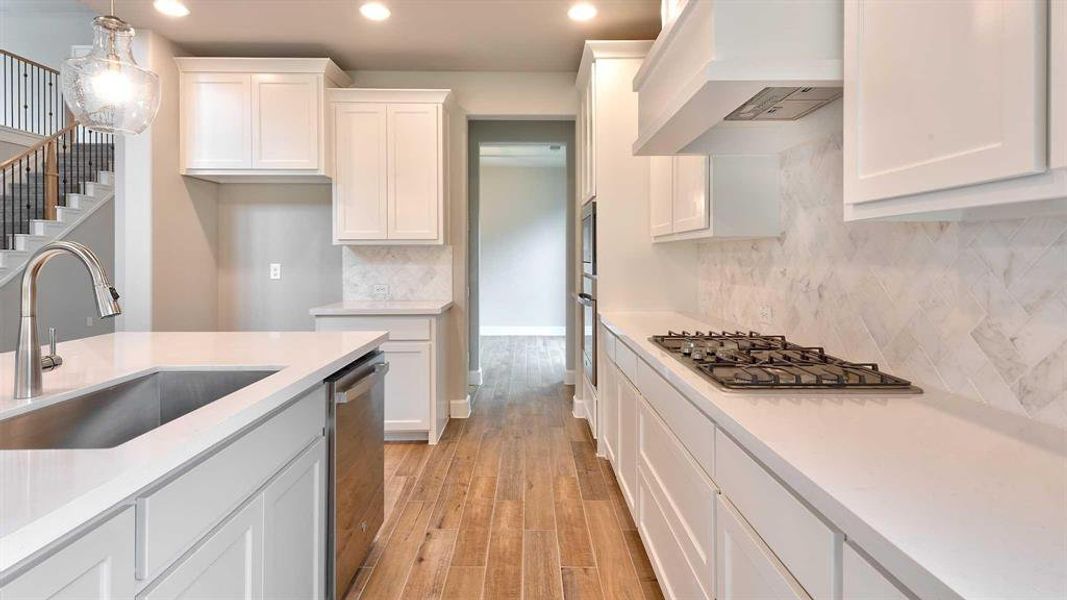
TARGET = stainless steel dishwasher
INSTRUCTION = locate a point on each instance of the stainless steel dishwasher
(356, 441)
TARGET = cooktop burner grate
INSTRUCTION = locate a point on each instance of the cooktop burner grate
(751, 361)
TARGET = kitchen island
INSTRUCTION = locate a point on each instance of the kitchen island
(851, 495)
(55, 500)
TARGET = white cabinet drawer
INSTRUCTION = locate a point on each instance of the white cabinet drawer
(796, 536)
(695, 430)
(190, 505)
(626, 359)
(861, 581)
(399, 328)
(745, 568)
(675, 576)
(687, 495)
(97, 565)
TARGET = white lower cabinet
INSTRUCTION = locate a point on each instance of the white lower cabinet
(626, 469)
(294, 510)
(608, 407)
(228, 565)
(676, 578)
(861, 581)
(407, 392)
(97, 565)
(746, 568)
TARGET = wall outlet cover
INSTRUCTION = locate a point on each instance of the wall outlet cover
(380, 291)
(275, 270)
(765, 314)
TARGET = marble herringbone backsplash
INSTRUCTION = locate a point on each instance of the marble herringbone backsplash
(976, 308)
(411, 272)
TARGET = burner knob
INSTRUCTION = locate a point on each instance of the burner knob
(698, 353)
(687, 347)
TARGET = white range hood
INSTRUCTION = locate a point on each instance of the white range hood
(740, 77)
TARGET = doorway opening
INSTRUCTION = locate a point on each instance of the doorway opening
(522, 232)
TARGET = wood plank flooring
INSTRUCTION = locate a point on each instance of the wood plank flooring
(512, 503)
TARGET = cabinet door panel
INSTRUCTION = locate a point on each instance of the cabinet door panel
(690, 198)
(627, 401)
(228, 565)
(286, 112)
(97, 565)
(360, 188)
(414, 171)
(661, 186)
(1058, 84)
(407, 386)
(745, 569)
(942, 94)
(673, 571)
(294, 528)
(216, 120)
(608, 420)
(861, 581)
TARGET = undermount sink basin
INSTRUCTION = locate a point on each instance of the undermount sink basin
(109, 417)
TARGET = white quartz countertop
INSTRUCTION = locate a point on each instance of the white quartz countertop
(382, 307)
(45, 494)
(955, 498)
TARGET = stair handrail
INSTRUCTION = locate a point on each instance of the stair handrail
(37, 146)
(50, 111)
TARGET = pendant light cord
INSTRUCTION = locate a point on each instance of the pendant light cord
(113, 8)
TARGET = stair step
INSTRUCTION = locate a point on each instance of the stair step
(13, 258)
(66, 214)
(96, 189)
(45, 227)
(106, 178)
(80, 201)
(29, 243)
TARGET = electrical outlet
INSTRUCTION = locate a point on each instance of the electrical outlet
(275, 270)
(765, 314)
(380, 291)
(88, 321)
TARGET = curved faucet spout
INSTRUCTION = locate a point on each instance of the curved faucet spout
(28, 352)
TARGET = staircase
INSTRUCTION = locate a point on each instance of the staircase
(52, 186)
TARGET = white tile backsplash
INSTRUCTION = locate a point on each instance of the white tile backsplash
(409, 272)
(977, 308)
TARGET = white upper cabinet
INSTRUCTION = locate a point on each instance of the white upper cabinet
(962, 116)
(695, 197)
(286, 110)
(216, 121)
(586, 131)
(256, 119)
(739, 77)
(1058, 84)
(391, 174)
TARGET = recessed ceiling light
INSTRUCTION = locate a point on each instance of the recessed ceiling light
(171, 8)
(375, 11)
(583, 11)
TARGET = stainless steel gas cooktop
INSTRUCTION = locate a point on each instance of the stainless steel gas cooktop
(751, 361)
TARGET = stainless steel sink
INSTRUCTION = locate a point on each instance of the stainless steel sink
(112, 416)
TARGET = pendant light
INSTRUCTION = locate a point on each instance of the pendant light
(106, 90)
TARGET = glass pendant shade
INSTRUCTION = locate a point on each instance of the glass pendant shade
(106, 90)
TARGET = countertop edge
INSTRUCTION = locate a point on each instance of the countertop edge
(22, 547)
(337, 310)
(912, 574)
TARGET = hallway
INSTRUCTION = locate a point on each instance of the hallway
(512, 503)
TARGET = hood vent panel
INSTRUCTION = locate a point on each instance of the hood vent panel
(784, 103)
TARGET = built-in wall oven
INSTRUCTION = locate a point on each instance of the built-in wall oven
(587, 296)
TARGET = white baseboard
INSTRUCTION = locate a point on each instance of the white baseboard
(578, 408)
(497, 330)
(474, 377)
(460, 409)
(568, 377)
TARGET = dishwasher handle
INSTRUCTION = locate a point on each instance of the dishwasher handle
(346, 389)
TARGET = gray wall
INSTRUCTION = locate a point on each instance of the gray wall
(523, 231)
(500, 131)
(65, 299)
(261, 224)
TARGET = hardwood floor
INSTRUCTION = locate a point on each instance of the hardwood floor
(512, 503)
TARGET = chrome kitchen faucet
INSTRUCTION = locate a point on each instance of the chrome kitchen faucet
(28, 361)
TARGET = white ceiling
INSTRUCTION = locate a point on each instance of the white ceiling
(423, 35)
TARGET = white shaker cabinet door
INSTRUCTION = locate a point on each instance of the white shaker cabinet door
(628, 399)
(99, 565)
(745, 568)
(216, 120)
(286, 113)
(690, 201)
(942, 93)
(861, 581)
(407, 386)
(229, 564)
(360, 188)
(1058, 83)
(660, 195)
(608, 405)
(414, 171)
(294, 542)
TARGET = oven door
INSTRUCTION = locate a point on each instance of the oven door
(588, 304)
